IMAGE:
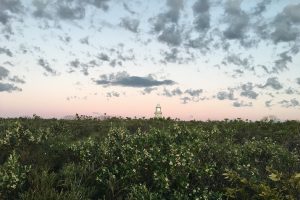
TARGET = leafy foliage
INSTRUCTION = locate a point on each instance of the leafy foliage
(128, 158)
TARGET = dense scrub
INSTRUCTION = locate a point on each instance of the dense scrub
(148, 159)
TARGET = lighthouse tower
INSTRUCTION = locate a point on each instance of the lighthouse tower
(158, 113)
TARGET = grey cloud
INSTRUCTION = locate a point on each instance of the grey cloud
(242, 104)
(193, 93)
(6, 51)
(3, 73)
(281, 64)
(84, 40)
(236, 60)
(201, 6)
(84, 67)
(172, 56)
(273, 83)
(166, 24)
(283, 23)
(148, 90)
(40, 9)
(13, 6)
(226, 95)
(268, 103)
(289, 103)
(6, 87)
(125, 80)
(170, 93)
(237, 20)
(112, 94)
(103, 57)
(113, 63)
(284, 32)
(130, 24)
(4, 18)
(201, 13)
(298, 81)
(174, 12)
(76, 98)
(185, 100)
(178, 92)
(67, 12)
(293, 12)
(103, 4)
(261, 7)
(126, 7)
(66, 9)
(247, 91)
(16, 79)
(171, 35)
(46, 66)
(291, 91)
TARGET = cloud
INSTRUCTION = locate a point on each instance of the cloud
(6, 87)
(178, 92)
(4, 18)
(84, 67)
(247, 91)
(125, 80)
(6, 51)
(273, 83)
(171, 35)
(237, 60)
(130, 24)
(102, 4)
(283, 23)
(289, 103)
(242, 104)
(268, 103)
(148, 90)
(281, 64)
(76, 98)
(112, 94)
(236, 19)
(298, 81)
(84, 40)
(16, 79)
(166, 24)
(261, 7)
(13, 6)
(201, 13)
(103, 57)
(171, 93)
(71, 13)
(171, 56)
(185, 100)
(40, 9)
(66, 9)
(194, 93)
(222, 95)
(46, 66)
(126, 7)
(3, 73)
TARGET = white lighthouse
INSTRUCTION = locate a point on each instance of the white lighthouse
(158, 113)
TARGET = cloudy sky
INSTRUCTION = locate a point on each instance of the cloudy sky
(200, 59)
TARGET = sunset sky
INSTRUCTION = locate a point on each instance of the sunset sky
(199, 59)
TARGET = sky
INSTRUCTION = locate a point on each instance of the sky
(199, 59)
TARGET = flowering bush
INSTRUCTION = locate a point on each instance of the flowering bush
(12, 176)
(148, 159)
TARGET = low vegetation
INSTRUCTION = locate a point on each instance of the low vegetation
(138, 159)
